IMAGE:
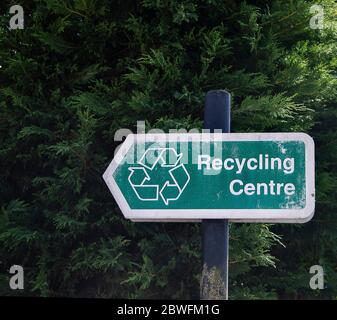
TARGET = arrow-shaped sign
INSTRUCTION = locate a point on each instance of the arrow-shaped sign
(251, 177)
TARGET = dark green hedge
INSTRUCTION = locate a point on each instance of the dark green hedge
(80, 70)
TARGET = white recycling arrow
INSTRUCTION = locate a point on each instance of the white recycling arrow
(165, 157)
(144, 192)
(175, 189)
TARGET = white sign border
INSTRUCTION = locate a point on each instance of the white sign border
(234, 215)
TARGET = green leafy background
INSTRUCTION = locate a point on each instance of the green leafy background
(82, 69)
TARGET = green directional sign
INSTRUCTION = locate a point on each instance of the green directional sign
(242, 177)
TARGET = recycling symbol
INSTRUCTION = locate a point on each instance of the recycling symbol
(154, 163)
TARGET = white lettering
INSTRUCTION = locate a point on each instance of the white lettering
(240, 164)
(231, 187)
(263, 162)
(289, 189)
(249, 164)
(204, 159)
(237, 187)
(226, 166)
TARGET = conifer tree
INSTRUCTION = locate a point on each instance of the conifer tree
(81, 70)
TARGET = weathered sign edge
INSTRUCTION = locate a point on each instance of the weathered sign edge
(235, 215)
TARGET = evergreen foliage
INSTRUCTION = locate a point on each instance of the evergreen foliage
(80, 70)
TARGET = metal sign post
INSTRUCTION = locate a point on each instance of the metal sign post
(215, 233)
